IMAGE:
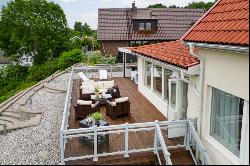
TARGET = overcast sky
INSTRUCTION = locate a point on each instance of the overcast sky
(87, 10)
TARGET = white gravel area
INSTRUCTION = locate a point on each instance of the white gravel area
(39, 144)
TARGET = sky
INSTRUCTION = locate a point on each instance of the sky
(87, 10)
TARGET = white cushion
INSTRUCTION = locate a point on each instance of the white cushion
(92, 105)
(103, 74)
(103, 90)
(121, 100)
(83, 102)
(109, 84)
(113, 103)
(83, 77)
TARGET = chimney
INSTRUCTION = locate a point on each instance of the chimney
(133, 5)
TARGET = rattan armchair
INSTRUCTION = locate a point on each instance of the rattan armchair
(118, 109)
(82, 111)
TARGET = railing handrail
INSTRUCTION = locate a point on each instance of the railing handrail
(67, 101)
(163, 145)
(200, 146)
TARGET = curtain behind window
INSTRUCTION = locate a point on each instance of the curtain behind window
(226, 120)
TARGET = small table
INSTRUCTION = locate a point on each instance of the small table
(101, 97)
(89, 140)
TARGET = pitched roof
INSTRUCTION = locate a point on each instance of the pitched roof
(173, 52)
(226, 23)
(116, 23)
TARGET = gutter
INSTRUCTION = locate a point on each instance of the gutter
(241, 49)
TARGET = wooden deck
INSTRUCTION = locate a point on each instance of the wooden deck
(141, 111)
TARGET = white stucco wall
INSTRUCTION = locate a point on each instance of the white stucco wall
(156, 100)
(229, 72)
(193, 98)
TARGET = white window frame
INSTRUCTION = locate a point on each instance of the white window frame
(208, 138)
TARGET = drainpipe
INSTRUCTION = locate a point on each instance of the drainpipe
(201, 85)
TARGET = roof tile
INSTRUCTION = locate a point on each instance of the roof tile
(173, 52)
(226, 23)
(116, 23)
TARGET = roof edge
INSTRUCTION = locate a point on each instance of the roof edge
(197, 22)
(244, 49)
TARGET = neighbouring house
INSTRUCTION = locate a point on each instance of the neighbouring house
(26, 61)
(3, 60)
(123, 27)
(221, 42)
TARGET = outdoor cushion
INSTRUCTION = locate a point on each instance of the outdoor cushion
(83, 77)
(83, 102)
(109, 84)
(121, 100)
(103, 74)
(113, 103)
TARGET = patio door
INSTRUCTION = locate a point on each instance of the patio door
(177, 107)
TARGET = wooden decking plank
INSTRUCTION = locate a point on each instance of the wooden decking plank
(141, 111)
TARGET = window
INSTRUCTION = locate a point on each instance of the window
(167, 74)
(157, 79)
(137, 43)
(141, 26)
(226, 120)
(173, 95)
(145, 26)
(184, 99)
(149, 26)
(147, 78)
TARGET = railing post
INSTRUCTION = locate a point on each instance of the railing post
(126, 141)
(111, 72)
(95, 144)
(62, 147)
(156, 138)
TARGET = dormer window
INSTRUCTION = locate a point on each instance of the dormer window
(145, 25)
(148, 26)
(141, 26)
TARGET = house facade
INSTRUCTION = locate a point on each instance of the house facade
(220, 40)
(129, 27)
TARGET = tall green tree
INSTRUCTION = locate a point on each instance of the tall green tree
(87, 30)
(78, 26)
(158, 5)
(33, 27)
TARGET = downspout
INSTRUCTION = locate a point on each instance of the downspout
(201, 85)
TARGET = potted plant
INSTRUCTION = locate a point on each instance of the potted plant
(97, 116)
(97, 92)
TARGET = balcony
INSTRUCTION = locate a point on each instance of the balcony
(141, 138)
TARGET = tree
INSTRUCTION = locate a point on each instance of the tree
(200, 5)
(157, 5)
(86, 29)
(36, 28)
(78, 26)
(173, 6)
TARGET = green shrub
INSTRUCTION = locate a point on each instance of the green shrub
(96, 57)
(40, 72)
(13, 72)
(70, 58)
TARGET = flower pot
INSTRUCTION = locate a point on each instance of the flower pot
(97, 94)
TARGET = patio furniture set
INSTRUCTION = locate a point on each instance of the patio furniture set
(91, 101)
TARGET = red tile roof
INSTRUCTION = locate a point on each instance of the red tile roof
(173, 52)
(226, 23)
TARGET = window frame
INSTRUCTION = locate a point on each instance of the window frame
(208, 138)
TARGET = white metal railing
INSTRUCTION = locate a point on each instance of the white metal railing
(66, 113)
(200, 149)
(159, 142)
